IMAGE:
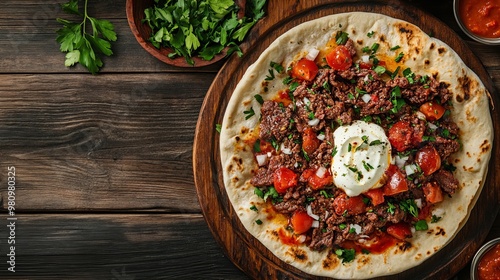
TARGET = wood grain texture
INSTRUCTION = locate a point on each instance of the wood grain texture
(226, 227)
(125, 147)
(115, 246)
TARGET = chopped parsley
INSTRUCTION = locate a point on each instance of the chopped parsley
(370, 34)
(341, 38)
(421, 225)
(409, 206)
(259, 98)
(249, 113)
(395, 48)
(258, 221)
(380, 70)
(254, 208)
(218, 127)
(399, 57)
(346, 255)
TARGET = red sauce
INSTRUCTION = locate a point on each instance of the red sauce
(377, 244)
(287, 237)
(283, 97)
(481, 17)
(489, 265)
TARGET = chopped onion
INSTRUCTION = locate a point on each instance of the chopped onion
(432, 126)
(302, 238)
(285, 150)
(366, 97)
(321, 172)
(261, 159)
(410, 169)
(420, 115)
(412, 230)
(310, 213)
(356, 227)
(364, 236)
(362, 240)
(418, 202)
(269, 154)
(438, 212)
(307, 101)
(312, 54)
(321, 137)
(313, 122)
(296, 164)
(315, 224)
(365, 58)
(400, 161)
(366, 78)
(327, 214)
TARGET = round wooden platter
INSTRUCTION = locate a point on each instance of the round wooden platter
(241, 247)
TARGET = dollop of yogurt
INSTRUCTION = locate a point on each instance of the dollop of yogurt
(362, 154)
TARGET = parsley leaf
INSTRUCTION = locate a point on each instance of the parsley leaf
(249, 113)
(201, 28)
(81, 46)
(346, 255)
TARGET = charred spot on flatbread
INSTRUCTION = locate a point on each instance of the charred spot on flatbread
(331, 261)
(298, 254)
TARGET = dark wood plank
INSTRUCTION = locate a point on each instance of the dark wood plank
(101, 142)
(155, 246)
(227, 228)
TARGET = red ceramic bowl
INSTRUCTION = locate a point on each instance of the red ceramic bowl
(142, 32)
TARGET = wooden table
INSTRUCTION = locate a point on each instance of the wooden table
(103, 164)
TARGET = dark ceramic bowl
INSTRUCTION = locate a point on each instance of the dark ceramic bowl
(479, 255)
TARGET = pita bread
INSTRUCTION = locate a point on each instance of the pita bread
(424, 55)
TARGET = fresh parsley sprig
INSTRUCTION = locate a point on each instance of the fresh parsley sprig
(200, 28)
(82, 42)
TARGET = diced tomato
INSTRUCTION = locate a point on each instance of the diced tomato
(310, 141)
(403, 137)
(374, 97)
(432, 192)
(382, 63)
(365, 65)
(283, 94)
(284, 179)
(432, 110)
(352, 205)
(423, 213)
(339, 58)
(428, 159)
(316, 182)
(305, 69)
(397, 182)
(301, 222)
(400, 231)
(376, 196)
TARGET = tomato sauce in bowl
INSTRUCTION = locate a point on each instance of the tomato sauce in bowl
(486, 262)
(479, 19)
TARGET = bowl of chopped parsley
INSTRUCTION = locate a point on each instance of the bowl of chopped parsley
(192, 33)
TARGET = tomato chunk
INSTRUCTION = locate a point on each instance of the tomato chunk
(397, 182)
(310, 141)
(400, 231)
(432, 192)
(428, 159)
(316, 182)
(350, 205)
(339, 58)
(432, 110)
(301, 222)
(402, 136)
(305, 69)
(283, 179)
(376, 196)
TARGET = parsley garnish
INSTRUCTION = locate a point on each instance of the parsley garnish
(421, 225)
(409, 206)
(293, 86)
(276, 66)
(391, 208)
(341, 38)
(395, 48)
(370, 34)
(80, 46)
(374, 47)
(399, 57)
(380, 70)
(218, 127)
(249, 113)
(287, 80)
(346, 255)
(201, 28)
(258, 221)
(254, 208)
(259, 98)
(435, 219)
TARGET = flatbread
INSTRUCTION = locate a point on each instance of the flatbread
(424, 55)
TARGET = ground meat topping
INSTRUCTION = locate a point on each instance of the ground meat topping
(337, 97)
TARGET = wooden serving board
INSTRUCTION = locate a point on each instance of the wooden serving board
(242, 248)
